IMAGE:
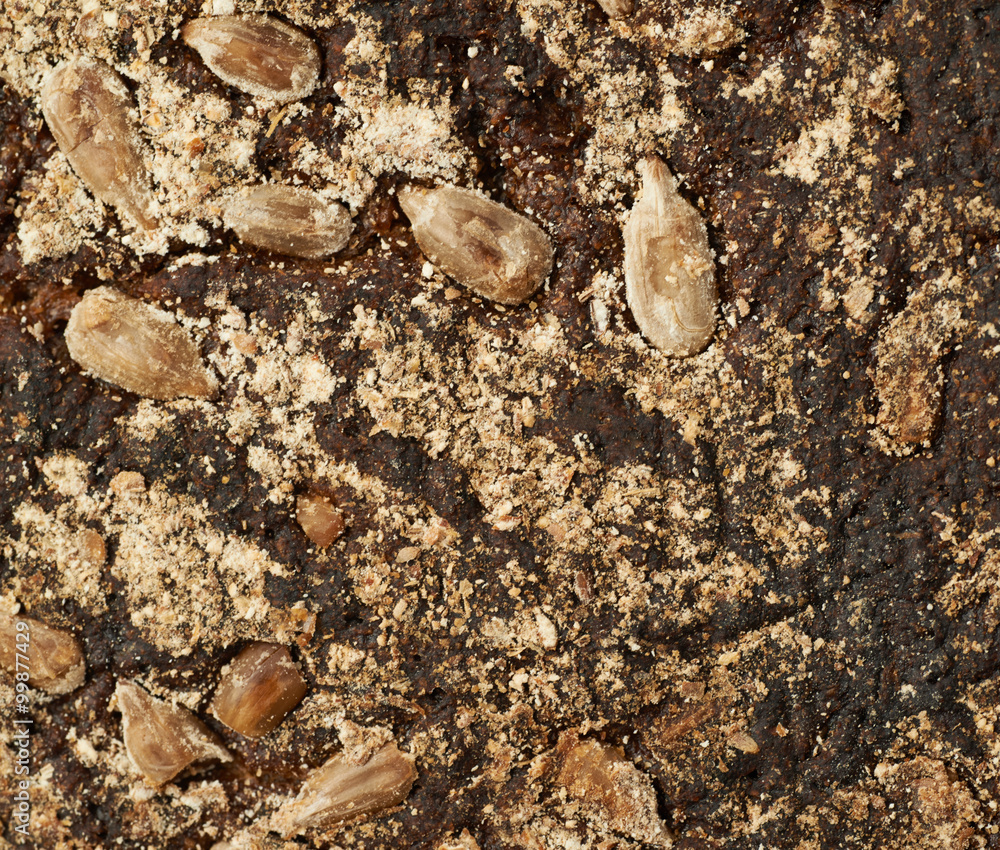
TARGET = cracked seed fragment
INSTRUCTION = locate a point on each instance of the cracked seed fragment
(55, 662)
(496, 252)
(258, 688)
(136, 346)
(88, 109)
(258, 54)
(163, 739)
(607, 785)
(616, 8)
(669, 268)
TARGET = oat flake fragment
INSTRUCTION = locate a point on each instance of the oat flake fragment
(496, 252)
(88, 109)
(669, 268)
(258, 54)
(289, 220)
(137, 347)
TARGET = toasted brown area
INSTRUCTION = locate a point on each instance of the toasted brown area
(767, 573)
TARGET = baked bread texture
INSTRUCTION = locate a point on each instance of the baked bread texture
(363, 547)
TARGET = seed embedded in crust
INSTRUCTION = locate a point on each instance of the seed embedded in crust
(321, 520)
(616, 8)
(341, 790)
(258, 54)
(88, 109)
(258, 688)
(669, 267)
(137, 347)
(163, 739)
(289, 220)
(496, 252)
(54, 661)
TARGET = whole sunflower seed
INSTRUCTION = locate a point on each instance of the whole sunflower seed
(88, 108)
(669, 267)
(258, 54)
(137, 347)
(289, 220)
(341, 790)
(496, 252)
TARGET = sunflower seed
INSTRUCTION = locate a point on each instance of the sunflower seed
(321, 520)
(497, 253)
(54, 660)
(291, 221)
(341, 790)
(87, 108)
(258, 688)
(137, 347)
(669, 267)
(258, 54)
(616, 8)
(163, 739)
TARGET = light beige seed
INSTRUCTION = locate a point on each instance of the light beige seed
(258, 688)
(602, 779)
(54, 659)
(341, 790)
(321, 520)
(743, 742)
(289, 220)
(137, 347)
(669, 268)
(616, 8)
(496, 252)
(258, 54)
(93, 549)
(88, 109)
(163, 739)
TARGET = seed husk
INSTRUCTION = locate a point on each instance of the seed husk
(258, 54)
(321, 520)
(258, 688)
(161, 738)
(341, 790)
(669, 267)
(88, 109)
(137, 347)
(289, 220)
(55, 662)
(496, 252)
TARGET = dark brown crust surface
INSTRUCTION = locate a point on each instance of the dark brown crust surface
(762, 518)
